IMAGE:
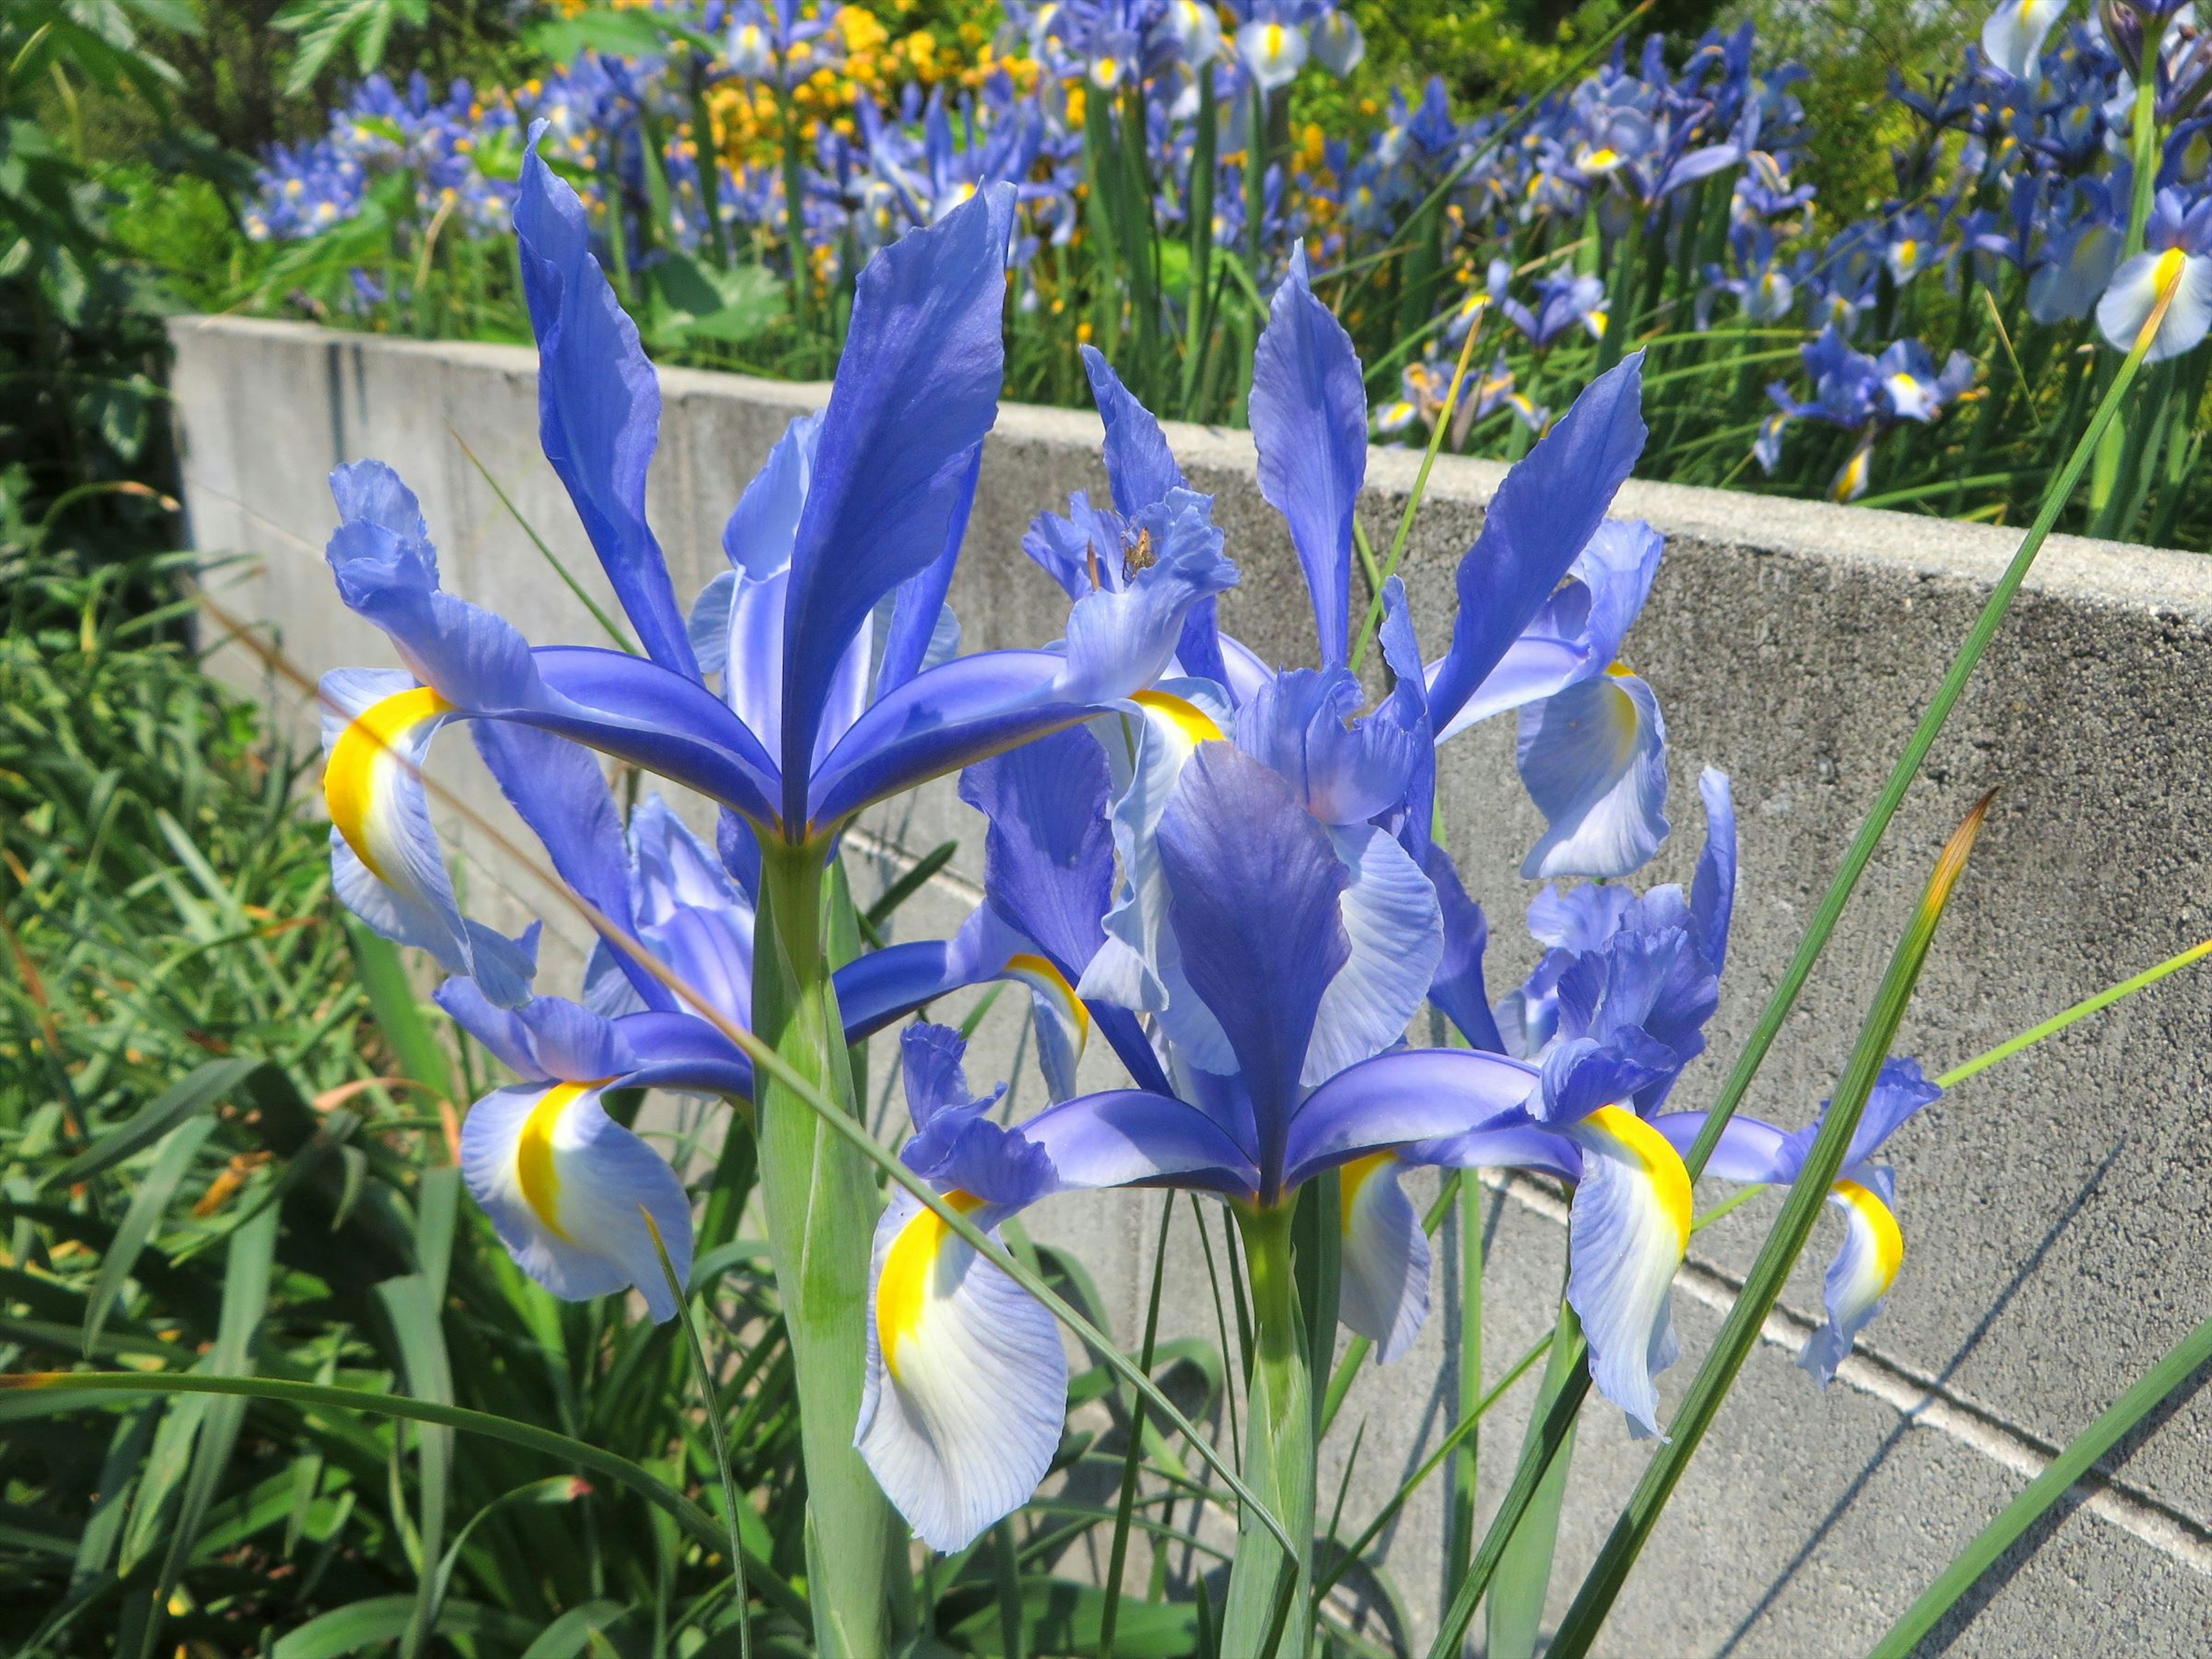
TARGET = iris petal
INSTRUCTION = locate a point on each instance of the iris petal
(386, 862)
(1309, 424)
(967, 1383)
(1385, 1285)
(1594, 760)
(569, 1189)
(1627, 1233)
(1857, 1279)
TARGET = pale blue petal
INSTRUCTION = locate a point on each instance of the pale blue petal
(1594, 760)
(1395, 929)
(577, 1225)
(967, 1383)
(1384, 1294)
(1626, 1236)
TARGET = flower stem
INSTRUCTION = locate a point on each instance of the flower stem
(821, 1200)
(1278, 1459)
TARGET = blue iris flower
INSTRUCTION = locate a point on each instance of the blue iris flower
(563, 1181)
(829, 632)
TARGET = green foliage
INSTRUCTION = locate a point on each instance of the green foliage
(327, 27)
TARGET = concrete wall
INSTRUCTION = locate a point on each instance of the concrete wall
(2055, 1208)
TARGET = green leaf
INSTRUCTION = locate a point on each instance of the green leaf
(252, 1254)
(2187, 1358)
(195, 1092)
(35, 1394)
(147, 1205)
(625, 34)
(704, 303)
(391, 999)
(1060, 1616)
(568, 1635)
(1524, 1571)
(414, 1314)
(382, 1619)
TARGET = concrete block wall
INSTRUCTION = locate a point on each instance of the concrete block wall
(2056, 1209)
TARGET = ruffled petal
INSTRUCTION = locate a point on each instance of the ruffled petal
(568, 1190)
(1594, 760)
(967, 1383)
(1385, 1274)
(1626, 1235)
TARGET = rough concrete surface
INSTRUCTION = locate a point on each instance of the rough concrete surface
(2055, 1208)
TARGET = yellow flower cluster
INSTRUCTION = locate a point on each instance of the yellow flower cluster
(748, 119)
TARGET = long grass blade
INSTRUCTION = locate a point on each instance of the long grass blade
(2183, 1362)
(1117, 1558)
(42, 1392)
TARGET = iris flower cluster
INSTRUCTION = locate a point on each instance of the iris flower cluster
(1229, 872)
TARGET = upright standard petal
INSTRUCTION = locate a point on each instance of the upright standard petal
(1254, 889)
(1140, 466)
(1540, 519)
(1580, 629)
(1395, 931)
(598, 404)
(1048, 852)
(385, 863)
(917, 388)
(967, 1383)
(1385, 1274)
(1626, 1234)
(1308, 411)
(1594, 759)
(568, 1190)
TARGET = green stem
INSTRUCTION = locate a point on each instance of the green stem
(1524, 1571)
(1278, 1459)
(821, 1200)
(1465, 1465)
(2142, 136)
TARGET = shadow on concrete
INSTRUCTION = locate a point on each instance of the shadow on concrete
(1896, 1436)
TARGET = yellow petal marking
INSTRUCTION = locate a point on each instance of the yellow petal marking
(902, 1289)
(1888, 1238)
(533, 1156)
(1662, 1165)
(1034, 971)
(1189, 718)
(1351, 1180)
(350, 778)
